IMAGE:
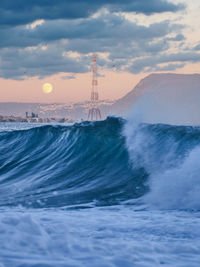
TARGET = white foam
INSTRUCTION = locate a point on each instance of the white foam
(112, 236)
(178, 187)
(174, 178)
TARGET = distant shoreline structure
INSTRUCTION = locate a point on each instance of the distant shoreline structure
(33, 120)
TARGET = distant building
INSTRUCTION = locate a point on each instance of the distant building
(33, 115)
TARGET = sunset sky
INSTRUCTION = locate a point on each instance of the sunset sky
(53, 42)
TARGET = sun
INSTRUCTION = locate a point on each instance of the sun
(47, 88)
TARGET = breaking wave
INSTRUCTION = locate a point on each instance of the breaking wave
(101, 163)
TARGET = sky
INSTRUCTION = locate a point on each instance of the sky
(53, 41)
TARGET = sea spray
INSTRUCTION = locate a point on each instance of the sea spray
(170, 156)
(178, 187)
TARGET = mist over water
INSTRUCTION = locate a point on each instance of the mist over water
(178, 187)
(168, 152)
(174, 106)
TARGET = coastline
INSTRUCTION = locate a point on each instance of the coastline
(33, 120)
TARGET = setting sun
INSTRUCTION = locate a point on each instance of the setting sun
(47, 88)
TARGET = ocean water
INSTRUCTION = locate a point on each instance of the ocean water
(107, 193)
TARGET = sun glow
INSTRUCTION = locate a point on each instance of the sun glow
(47, 88)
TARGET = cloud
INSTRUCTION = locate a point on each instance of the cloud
(105, 26)
(59, 29)
(68, 77)
(17, 63)
(197, 47)
(168, 67)
(148, 7)
(57, 46)
(177, 38)
(23, 11)
(152, 63)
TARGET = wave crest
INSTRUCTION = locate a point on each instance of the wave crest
(81, 164)
(100, 163)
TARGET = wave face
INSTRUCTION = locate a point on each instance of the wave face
(100, 163)
(55, 166)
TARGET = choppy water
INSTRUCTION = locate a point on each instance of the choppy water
(106, 193)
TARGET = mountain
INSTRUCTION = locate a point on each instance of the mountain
(164, 97)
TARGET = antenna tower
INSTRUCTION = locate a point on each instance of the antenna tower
(94, 111)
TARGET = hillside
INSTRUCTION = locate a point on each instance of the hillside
(167, 98)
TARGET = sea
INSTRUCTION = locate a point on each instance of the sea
(99, 194)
